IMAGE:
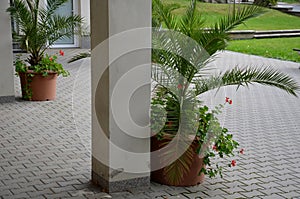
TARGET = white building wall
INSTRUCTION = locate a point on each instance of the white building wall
(6, 63)
(85, 13)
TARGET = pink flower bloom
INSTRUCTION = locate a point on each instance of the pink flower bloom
(61, 53)
(233, 163)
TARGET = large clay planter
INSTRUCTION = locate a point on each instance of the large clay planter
(38, 87)
(190, 179)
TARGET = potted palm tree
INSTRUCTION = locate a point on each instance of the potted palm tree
(185, 133)
(39, 28)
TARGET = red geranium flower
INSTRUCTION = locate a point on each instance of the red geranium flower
(215, 148)
(61, 53)
(51, 59)
(242, 151)
(179, 86)
(230, 101)
(227, 99)
(233, 163)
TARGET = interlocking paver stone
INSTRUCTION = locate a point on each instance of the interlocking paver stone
(45, 146)
(36, 194)
(288, 188)
(177, 197)
(271, 191)
(176, 191)
(272, 196)
(196, 195)
(292, 194)
(253, 193)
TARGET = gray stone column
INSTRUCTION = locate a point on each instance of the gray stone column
(121, 56)
(6, 63)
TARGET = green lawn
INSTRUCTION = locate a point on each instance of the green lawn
(290, 1)
(270, 20)
(279, 48)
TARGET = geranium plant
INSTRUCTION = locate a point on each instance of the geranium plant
(48, 63)
(221, 144)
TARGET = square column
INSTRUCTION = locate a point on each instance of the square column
(121, 75)
(6, 75)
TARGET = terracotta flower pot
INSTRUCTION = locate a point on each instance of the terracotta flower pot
(38, 87)
(189, 179)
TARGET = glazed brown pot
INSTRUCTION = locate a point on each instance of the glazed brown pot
(38, 87)
(189, 179)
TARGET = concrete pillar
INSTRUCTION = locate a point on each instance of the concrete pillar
(121, 56)
(6, 64)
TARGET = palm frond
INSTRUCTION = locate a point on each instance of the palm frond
(177, 153)
(215, 38)
(191, 23)
(21, 14)
(237, 17)
(176, 52)
(244, 77)
(176, 170)
(59, 27)
(163, 14)
(79, 56)
(156, 17)
(53, 5)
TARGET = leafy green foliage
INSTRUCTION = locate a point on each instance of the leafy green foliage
(210, 131)
(20, 66)
(47, 64)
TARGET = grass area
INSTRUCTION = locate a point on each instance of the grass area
(290, 1)
(279, 48)
(270, 20)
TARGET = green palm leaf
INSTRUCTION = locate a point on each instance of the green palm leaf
(176, 170)
(215, 38)
(79, 56)
(244, 77)
(163, 14)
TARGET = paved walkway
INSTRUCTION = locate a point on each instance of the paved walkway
(45, 146)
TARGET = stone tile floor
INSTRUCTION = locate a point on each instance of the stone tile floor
(45, 146)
